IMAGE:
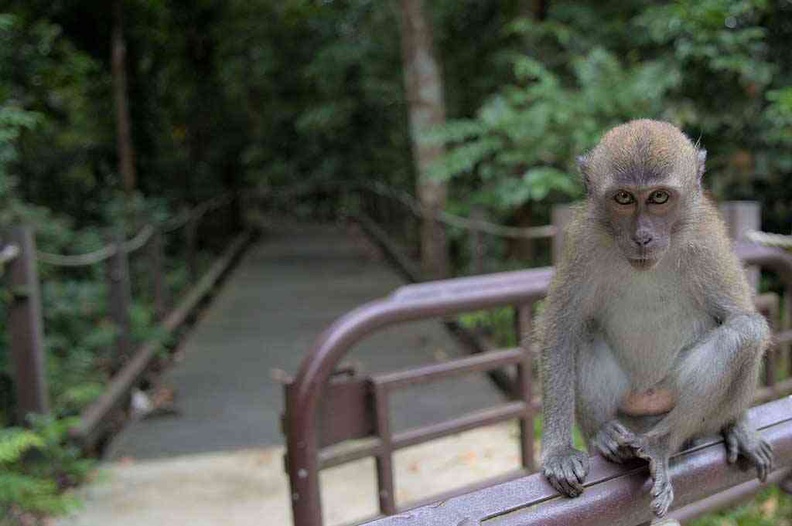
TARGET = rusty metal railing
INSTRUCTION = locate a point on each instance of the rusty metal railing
(617, 495)
(323, 410)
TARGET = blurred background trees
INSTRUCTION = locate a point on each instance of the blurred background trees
(282, 92)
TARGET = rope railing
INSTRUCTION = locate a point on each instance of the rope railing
(769, 239)
(138, 241)
(415, 207)
(8, 253)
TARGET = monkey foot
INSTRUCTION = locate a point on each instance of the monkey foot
(566, 471)
(662, 493)
(613, 442)
(742, 440)
(656, 453)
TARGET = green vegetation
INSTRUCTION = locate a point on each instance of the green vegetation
(772, 507)
(226, 93)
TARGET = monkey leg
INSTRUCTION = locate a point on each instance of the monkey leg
(601, 385)
(715, 382)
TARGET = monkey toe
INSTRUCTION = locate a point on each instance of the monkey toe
(762, 457)
(741, 440)
(732, 448)
(662, 502)
(662, 495)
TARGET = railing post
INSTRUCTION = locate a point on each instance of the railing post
(786, 324)
(741, 216)
(25, 327)
(119, 300)
(191, 239)
(523, 323)
(159, 288)
(561, 216)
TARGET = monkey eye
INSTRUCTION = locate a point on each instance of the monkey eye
(623, 198)
(659, 197)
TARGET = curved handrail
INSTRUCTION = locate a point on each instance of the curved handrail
(414, 302)
(616, 495)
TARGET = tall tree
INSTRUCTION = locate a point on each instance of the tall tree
(424, 87)
(126, 151)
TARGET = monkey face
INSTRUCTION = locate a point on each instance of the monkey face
(641, 220)
(641, 180)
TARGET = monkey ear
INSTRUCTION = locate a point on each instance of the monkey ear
(701, 159)
(583, 166)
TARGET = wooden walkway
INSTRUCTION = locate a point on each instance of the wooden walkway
(220, 459)
(287, 288)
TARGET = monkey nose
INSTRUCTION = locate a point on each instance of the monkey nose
(642, 238)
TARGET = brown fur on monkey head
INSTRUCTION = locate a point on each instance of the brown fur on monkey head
(640, 180)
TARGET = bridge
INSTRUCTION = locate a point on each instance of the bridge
(213, 451)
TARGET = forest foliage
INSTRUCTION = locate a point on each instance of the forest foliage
(226, 93)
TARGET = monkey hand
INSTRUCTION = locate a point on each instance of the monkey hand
(566, 469)
(654, 449)
(742, 440)
(613, 442)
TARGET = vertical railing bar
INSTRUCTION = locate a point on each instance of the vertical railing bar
(159, 288)
(771, 356)
(191, 239)
(119, 299)
(786, 324)
(384, 459)
(524, 388)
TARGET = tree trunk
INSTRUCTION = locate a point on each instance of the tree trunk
(126, 152)
(424, 88)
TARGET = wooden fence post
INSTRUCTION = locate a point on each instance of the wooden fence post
(25, 327)
(191, 238)
(561, 215)
(159, 289)
(741, 216)
(119, 300)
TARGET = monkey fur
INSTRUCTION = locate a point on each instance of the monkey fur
(649, 316)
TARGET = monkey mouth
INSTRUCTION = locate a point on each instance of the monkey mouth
(643, 263)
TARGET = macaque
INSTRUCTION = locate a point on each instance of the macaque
(649, 338)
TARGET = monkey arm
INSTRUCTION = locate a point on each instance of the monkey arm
(564, 466)
(558, 392)
(563, 333)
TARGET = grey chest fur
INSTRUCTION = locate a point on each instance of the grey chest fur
(648, 321)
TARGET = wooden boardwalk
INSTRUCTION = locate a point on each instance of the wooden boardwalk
(287, 288)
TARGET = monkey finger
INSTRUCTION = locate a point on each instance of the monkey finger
(625, 454)
(761, 471)
(732, 448)
(572, 480)
(767, 448)
(556, 484)
(555, 476)
(580, 468)
(623, 436)
(607, 448)
(761, 464)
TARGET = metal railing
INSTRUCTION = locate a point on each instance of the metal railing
(618, 495)
(323, 410)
